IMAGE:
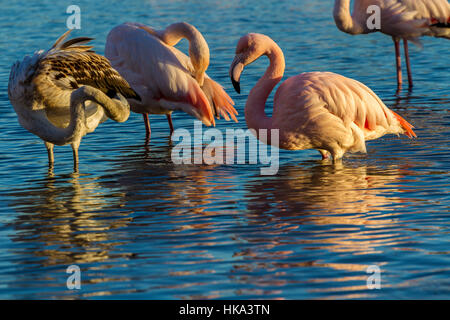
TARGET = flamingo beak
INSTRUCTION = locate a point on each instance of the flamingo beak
(236, 69)
(236, 85)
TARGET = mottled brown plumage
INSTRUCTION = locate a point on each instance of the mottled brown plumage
(86, 68)
(69, 65)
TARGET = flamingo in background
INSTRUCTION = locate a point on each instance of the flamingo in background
(313, 110)
(401, 19)
(49, 89)
(164, 77)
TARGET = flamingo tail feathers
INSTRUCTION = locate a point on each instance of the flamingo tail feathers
(219, 100)
(405, 125)
(197, 98)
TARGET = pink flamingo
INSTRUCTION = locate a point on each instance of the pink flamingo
(401, 19)
(313, 110)
(164, 77)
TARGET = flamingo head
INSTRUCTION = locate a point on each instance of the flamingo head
(249, 48)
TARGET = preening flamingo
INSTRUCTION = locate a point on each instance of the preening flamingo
(49, 91)
(164, 77)
(401, 19)
(313, 110)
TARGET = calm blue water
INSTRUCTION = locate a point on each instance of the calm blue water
(141, 227)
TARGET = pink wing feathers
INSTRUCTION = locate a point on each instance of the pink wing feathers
(399, 20)
(220, 101)
(408, 19)
(439, 10)
(437, 14)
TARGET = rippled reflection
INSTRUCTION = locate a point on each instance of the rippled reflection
(68, 220)
(273, 231)
(321, 208)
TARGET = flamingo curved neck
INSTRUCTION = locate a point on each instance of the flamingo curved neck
(344, 19)
(38, 123)
(198, 48)
(255, 115)
(177, 31)
(116, 109)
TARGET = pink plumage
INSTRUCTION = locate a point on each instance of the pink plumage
(313, 110)
(164, 77)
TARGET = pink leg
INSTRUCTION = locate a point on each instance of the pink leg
(398, 62)
(169, 118)
(408, 64)
(148, 130)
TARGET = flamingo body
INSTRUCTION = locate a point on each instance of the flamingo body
(164, 77)
(313, 110)
(331, 112)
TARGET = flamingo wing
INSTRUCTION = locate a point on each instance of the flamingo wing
(436, 12)
(219, 99)
(398, 19)
(439, 10)
(70, 64)
(409, 19)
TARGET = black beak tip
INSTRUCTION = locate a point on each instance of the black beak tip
(236, 85)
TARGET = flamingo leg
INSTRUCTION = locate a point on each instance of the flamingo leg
(169, 119)
(408, 64)
(75, 146)
(337, 155)
(398, 62)
(49, 147)
(148, 130)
